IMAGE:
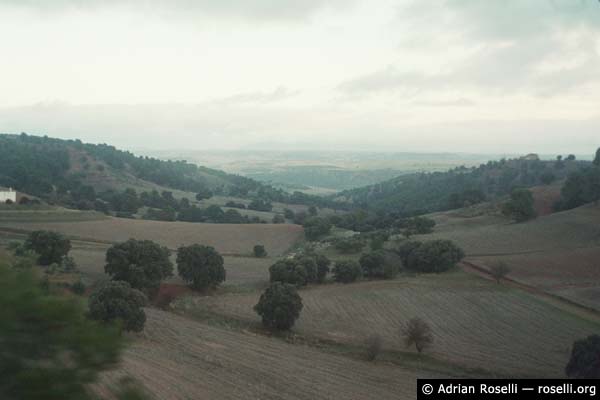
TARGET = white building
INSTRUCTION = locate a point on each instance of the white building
(6, 195)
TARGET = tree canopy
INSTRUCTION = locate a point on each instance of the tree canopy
(200, 266)
(117, 301)
(50, 247)
(279, 306)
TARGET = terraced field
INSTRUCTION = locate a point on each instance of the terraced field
(182, 359)
(474, 321)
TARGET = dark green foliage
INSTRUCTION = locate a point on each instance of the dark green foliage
(260, 205)
(373, 264)
(312, 211)
(597, 158)
(432, 256)
(279, 306)
(316, 227)
(421, 193)
(200, 266)
(38, 330)
(300, 218)
(289, 214)
(259, 251)
(288, 271)
(417, 226)
(278, 219)
(350, 245)
(203, 193)
(310, 266)
(346, 271)
(417, 332)
(141, 263)
(547, 177)
(580, 188)
(323, 264)
(520, 206)
(585, 359)
(160, 215)
(51, 247)
(233, 204)
(117, 301)
(78, 288)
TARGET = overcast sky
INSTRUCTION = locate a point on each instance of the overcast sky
(439, 75)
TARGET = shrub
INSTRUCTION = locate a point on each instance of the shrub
(279, 306)
(117, 301)
(288, 271)
(141, 263)
(200, 266)
(310, 266)
(289, 214)
(417, 332)
(374, 344)
(278, 219)
(346, 271)
(585, 359)
(51, 247)
(259, 251)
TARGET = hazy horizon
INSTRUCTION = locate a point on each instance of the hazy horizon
(404, 76)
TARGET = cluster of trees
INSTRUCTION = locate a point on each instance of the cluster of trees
(432, 256)
(581, 187)
(300, 270)
(422, 193)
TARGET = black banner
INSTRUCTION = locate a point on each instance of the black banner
(507, 389)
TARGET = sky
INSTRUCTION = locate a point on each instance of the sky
(478, 76)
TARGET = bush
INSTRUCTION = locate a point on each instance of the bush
(279, 306)
(310, 266)
(259, 251)
(585, 359)
(289, 214)
(51, 247)
(417, 226)
(417, 332)
(288, 271)
(434, 256)
(200, 266)
(374, 344)
(346, 271)
(141, 263)
(278, 219)
(117, 301)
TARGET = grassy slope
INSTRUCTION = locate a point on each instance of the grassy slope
(557, 253)
(475, 322)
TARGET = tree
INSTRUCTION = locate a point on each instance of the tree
(141, 263)
(312, 210)
(38, 332)
(278, 219)
(434, 256)
(200, 266)
(50, 246)
(585, 359)
(350, 245)
(547, 177)
(310, 266)
(418, 333)
(259, 251)
(597, 158)
(289, 214)
(315, 227)
(204, 193)
(288, 271)
(323, 264)
(499, 270)
(520, 206)
(374, 344)
(279, 306)
(373, 264)
(117, 301)
(346, 271)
